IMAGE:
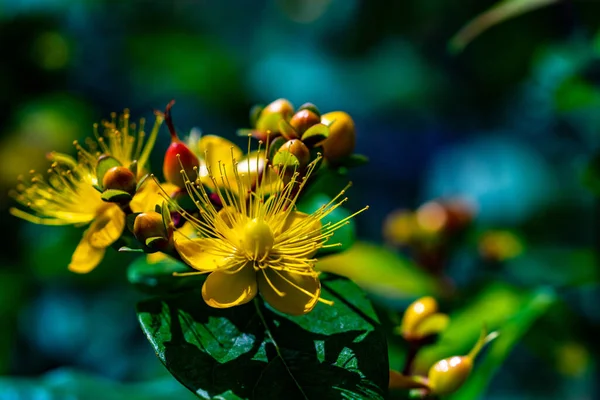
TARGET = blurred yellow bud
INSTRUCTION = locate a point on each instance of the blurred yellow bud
(342, 135)
(421, 319)
(303, 120)
(281, 106)
(449, 374)
(500, 245)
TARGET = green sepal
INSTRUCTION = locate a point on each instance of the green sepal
(166, 216)
(152, 241)
(310, 107)
(269, 122)
(116, 196)
(245, 132)
(98, 188)
(126, 249)
(105, 162)
(133, 167)
(286, 158)
(255, 112)
(275, 145)
(287, 130)
(353, 160)
(142, 182)
(315, 135)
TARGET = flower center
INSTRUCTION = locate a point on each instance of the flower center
(258, 238)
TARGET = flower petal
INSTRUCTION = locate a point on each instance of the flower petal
(107, 227)
(298, 294)
(224, 289)
(149, 195)
(86, 257)
(201, 254)
(214, 149)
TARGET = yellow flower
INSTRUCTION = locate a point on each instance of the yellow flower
(67, 195)
(213, 149)
(256, 242)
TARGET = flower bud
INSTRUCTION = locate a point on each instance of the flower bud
(303, 120)
(178, 157)
(448, 375)
(149, 228)
(119, 178)
(416, 313)
(281, 106)
(342, 135)
(298, 150)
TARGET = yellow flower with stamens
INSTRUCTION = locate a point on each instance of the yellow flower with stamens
(67, 195)
(257, 242)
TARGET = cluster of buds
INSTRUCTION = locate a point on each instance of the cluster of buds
(422, 322)
(297, 136)
(430, 231)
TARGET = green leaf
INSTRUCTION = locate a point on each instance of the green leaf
(157, 277)
(115, 196)
(353, 160)
(494, 307)
(380, 271)
(253, 352)
(344, 235)
(315, 135)
(105, 162)
(501, 11)
(534, 306)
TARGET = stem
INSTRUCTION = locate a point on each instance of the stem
(413, 350)
(169, 121)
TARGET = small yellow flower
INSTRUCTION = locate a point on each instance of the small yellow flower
(257, 242)
(67, 195)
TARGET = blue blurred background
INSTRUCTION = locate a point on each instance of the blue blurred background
(509, 124)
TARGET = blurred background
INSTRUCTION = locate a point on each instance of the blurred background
(482, 170)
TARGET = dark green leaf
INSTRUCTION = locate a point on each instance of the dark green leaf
(157, 277)
(253, 352)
